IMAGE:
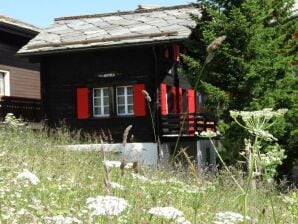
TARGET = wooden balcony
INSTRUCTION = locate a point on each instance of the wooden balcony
(27, 108)
(185, 125)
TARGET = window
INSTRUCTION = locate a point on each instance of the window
(124, 99)
(101, 102)
(4, 83)
(2, 90)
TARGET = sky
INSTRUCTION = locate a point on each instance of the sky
(41, 13)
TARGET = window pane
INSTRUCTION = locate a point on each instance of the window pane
(97, 93)
(106, 110)
(97, 101)
(129, 100)
(130, 109)
(97, 110)
(106, 101)
(106, 92)
(120, 91)
(129, 90)
(121, 100)
(121, 109)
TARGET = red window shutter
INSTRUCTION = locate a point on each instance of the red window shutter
(174, 94)
(163, 99)
(139, 100)
(176, 52)
(191, 101)
(82, 103)
(180, 100)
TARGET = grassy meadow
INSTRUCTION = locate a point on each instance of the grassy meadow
(69, 182)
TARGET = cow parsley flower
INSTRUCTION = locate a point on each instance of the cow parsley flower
(116, 186)
(139, 177)
(106, 205)
(59, 219)
(169, 213)
(208, 134)
(116, 164)
(229, 218)
(30, 177)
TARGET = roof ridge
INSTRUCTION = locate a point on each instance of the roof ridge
(119, 13)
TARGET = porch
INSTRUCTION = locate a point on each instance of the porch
(186, 125)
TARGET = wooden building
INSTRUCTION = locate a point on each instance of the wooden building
(19, 79)
(94, 68)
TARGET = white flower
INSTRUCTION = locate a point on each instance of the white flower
(169, 213)
(229, 218)
(166, 212)
(27, 175)
(116, 164)
(59, 219)
(208, 134)
(106, 205)
(117, 186)
(139, 177)
(263, 134)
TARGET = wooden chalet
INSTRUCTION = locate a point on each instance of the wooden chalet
(94, 68)
(19, 79)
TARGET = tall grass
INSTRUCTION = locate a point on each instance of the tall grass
(68, 178)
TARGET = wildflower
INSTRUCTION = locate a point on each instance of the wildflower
(106, 205)
(59, 219)
(116, 164)
(263, 134)
(169, 213)
(147, 96)
(208, 134)
(139, 177)
(256, 122)
(27, 175)
(229, 218)
(116, 186)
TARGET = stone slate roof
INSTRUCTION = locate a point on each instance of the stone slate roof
(114, 29)
(18, 24)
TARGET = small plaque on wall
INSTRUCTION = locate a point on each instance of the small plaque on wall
(108, 75)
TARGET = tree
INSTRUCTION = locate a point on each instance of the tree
(251, 70)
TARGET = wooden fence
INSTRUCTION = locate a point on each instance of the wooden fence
(27, 108)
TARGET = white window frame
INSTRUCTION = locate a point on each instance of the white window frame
(125, 101)
(102, 106)
(6, 75)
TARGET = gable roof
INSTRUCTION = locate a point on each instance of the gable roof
(21, 28)
(114, 29)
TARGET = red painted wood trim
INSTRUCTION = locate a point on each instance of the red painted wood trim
(191, 98)
(174, 94)
(163, 99)
(82, 103)
(191, 101)
(139, 100)
(181, 109)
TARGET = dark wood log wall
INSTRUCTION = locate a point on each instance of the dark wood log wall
(61, 74)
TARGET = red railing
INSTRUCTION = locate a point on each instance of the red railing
(27, 108)
(185, 124)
